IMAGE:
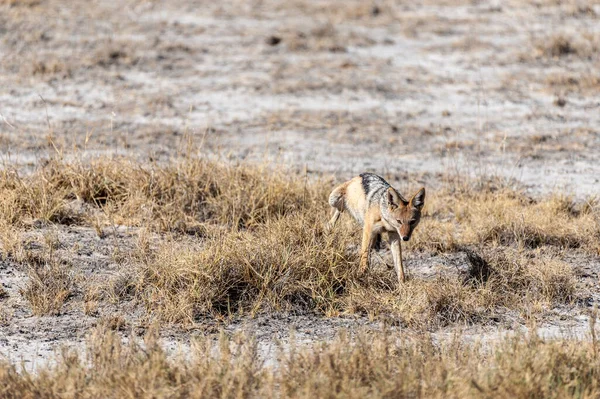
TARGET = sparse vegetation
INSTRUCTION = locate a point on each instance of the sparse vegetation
(262, 245)
(165, 171)
(378, 364)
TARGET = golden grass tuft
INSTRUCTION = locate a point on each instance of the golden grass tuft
(11, 242)
(51, 280)
(48, 288)
(511, 280)
(290, 263)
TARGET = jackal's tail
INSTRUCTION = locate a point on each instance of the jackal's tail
(336, 198)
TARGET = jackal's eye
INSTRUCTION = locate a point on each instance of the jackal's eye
(399, 221)
(412, 222)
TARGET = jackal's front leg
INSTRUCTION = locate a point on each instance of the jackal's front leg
(396, 247)
(365, 248)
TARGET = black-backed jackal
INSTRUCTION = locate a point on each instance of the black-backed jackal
(379, 208)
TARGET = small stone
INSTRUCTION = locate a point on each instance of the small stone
(273, 40)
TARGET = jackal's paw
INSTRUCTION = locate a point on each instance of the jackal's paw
(363, 266)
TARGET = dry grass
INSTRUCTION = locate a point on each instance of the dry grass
(498, 281)
(51, 67)
(287, 267)
(501, 216)
(376, 364)
(178, 197)
(583, 45)
(51, 280)
(11, 242)
(48, 288)
(260, 244)
(323, 38)
(285, 264)
(585, 82)
(20, 3)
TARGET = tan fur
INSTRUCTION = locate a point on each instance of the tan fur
(392, 215)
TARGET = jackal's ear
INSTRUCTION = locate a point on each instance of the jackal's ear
(394, 198)
(418, 200)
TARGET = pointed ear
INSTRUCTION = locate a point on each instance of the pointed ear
(418, 200)
(394, 198)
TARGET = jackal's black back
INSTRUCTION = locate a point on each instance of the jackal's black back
(374, 186)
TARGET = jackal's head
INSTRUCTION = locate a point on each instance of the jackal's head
(402, 214)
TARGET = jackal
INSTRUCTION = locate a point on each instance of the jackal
(379, 208)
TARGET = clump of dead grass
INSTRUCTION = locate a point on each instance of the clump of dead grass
(50, 67)
(11, 242)
(186, 196)
(50, 279)
(529, 278)
(587, 81)
(28, 198)
(48, 288)
(143, 370)
(288, 264)
(582, 45)
(370, 366)
(284, 264)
